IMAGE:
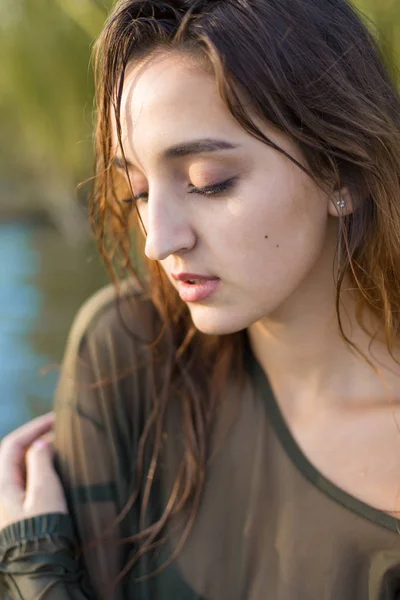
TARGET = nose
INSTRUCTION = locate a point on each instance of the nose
(169, 230)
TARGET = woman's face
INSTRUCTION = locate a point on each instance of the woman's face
(261, 233)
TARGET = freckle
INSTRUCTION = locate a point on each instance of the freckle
(277, 245)
(266, 237)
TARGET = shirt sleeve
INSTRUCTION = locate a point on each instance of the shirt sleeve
(38, 560)
(98, 425)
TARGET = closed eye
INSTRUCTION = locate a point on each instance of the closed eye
(209, 190)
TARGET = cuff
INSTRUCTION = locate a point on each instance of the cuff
(30, 531)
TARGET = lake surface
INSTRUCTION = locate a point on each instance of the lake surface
(43, 281)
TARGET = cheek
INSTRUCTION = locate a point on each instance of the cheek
(276, 227)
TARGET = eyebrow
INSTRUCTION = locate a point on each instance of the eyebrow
(185, 149)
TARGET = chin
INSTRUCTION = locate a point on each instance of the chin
(217, 321)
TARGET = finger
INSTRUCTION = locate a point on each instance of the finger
(48, 438)
(42, 481)
(14, 445)
(21, 438)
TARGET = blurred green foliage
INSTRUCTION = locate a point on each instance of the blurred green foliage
(46, 93)
(46, 88)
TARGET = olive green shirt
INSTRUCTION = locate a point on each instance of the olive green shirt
(269, 526)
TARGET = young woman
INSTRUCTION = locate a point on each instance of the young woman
(227, 423)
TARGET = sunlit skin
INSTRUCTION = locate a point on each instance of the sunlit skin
(264, 237)
(271, 239)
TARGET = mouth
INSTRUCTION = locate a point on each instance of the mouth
(196, 288)
(196, 281)
(193, 278)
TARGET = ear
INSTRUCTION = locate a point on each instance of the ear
(341, 203)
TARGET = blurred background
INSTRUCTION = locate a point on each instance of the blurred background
(49, 263)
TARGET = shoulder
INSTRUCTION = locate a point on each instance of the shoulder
(108, 355)
(111, 315)
(111, 334)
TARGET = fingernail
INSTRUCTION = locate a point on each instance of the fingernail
(40, 443)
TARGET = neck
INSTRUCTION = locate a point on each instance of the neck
(305, 356)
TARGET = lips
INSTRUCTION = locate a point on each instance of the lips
(195, 281)
(193, 277)
(193, 287)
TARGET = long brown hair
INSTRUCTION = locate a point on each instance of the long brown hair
(313, 70)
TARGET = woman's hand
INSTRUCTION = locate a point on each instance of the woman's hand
(29, 484)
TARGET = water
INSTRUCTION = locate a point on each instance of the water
(43, 281)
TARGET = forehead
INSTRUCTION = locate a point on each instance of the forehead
(167, 99)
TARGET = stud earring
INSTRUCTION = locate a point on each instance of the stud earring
(341, 203)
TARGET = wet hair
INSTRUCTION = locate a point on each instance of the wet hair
(312, 69)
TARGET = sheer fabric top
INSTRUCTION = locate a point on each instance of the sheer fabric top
(269, 525)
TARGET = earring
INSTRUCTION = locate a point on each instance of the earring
(341, 204)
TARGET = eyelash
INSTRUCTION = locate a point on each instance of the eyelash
(209, 190)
